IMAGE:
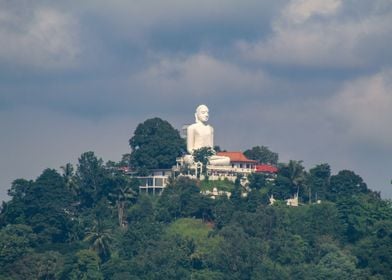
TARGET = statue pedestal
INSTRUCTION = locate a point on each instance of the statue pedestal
(219, 161)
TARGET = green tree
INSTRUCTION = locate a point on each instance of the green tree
(259, 184)
(283, 188)
(287, 248)
(123, 195)
(269, 270)
(236, 197)
(318, 180)
(261, 224)
(223, 211)
(48, 207)
(316, 221)
(290, 179)
(90, 176)
(375, 251)
(171, 258)
(139, 236)
(254, 200)
(15, 242)
(99, 237)
(359, 213)
(207, 274)
(155, 144)
(262, 154)
(296, 172)
(257, 181)
(13, 211)
(238, 254)
(125, 160)
(337, 264)
(117, 268)
(86, 267)
(47, 265)
(345, 184)
(200, 233)
(69, 177)
(202, 155)
(19, 188)
(182, 198)
(142, 210)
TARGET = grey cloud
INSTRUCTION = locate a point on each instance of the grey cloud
(177, 26)
(312, 83)
(364, 105)
(199, 75)
(329, 40)
(45, 38)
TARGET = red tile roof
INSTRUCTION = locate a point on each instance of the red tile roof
(266, 168)
(236, 157)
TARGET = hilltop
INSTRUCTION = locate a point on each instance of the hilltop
(91, 222)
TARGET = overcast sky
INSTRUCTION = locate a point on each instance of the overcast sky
(310, 79)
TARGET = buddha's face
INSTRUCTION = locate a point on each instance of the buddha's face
(202, 114)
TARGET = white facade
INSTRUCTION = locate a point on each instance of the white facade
(153, 184)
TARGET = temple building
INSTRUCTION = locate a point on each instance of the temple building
(239, 165)
(238, 160)
(220, 166)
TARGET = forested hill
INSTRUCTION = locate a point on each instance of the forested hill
(91, 223)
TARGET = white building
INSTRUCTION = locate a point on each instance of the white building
(240, 165)
(156, 182)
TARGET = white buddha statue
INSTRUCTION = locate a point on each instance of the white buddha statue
(201, 134)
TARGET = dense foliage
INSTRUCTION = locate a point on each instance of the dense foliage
(92, 223)
(155, 144)
(262, 154)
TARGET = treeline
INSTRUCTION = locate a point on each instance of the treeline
(91, 222)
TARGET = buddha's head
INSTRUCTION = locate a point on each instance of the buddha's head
(201, 114)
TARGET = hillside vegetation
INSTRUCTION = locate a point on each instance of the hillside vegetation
(92, 223)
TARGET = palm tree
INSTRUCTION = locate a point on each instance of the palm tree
(123, 195)
(296, 173)
(68, 175)
(99, 238)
